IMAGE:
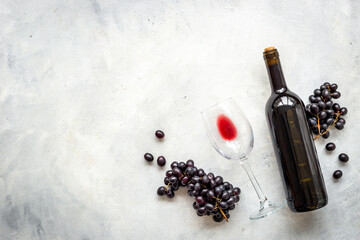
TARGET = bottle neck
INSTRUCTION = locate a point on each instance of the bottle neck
(276, 76)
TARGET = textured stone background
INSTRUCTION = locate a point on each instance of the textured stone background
(84, 85)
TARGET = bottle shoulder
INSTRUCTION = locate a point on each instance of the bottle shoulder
(287, 98)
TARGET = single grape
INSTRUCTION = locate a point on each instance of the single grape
(333, 87)
(190, 171)
(175, 186)
(321, 105)
(197, 186)
(231, 192)
(322, 87)
(330, 146)
(230, 201)
(236, 198)
(218, 219)
(166, 181)
(337, 174)
(339, 125)
(200, 214)
(329, 104)
(148, 157)
(211, 175)
(232, 207)
(326, 135)
(343, 111)
(161, 191)
(317, 92)
(312, 99)
(326, 84)
(212, 183)
(184, 180)
(170, 193)
(189, 192)
(226, 185)
(201, 172)
(169, 173)
(200, 200)
(237, 191)
(190, 163)
(314, 108)
(161, 161)
(336, 107)
(221, 186)
(204, 191)
(223, 205)
(336, 95)
(218, 180)
(202, 210)
(191, 186)
(210, 194)
(329, 121)
(330, 112)
(195, 169)
(227, 215)
(318, 99)
(182, 166)
(326, 94)
(324, 126)
(205, 179)
(210, 207)
(174, 164)
(342, 121)
(217, 191)
(315, 130)
(195, 206)
(173, 179)
(177, 172)
(195, 193)
(159, 134)
(343, 157)
(196, 179)
(322, 115)
(225, 195)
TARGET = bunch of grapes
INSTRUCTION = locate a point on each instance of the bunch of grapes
(322, 113)
(212, 195)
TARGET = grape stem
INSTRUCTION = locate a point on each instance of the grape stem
(318, 120)
(167, 187)
(336, 119)
(223, 215)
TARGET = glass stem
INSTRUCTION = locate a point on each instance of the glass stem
(253, 180)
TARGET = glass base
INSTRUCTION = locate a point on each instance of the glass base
(266, 208)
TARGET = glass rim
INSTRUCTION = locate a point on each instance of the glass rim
(218, 103)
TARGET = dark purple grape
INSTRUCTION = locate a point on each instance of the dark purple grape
(169, 173)
(312, 122)
(204, 191)
(236, 198)
(236, 191)
(148, 157)
(175, 186)
(195, 193)
(324, 126)
(201, 172)
(329, 104)
(225, 195)
(318, 99)
(326, 94)
(218, 180)
(330, 146)
(317, 92)
(210, 194)
(210, 207)
(195, 169)
(173, 179)
(330, 112)
(326, 84)
(166, 181)
(333, 87)
(315, 130)
(205, 179)
(212, 183)
(200, 214)
(202, 210)
(226, 185)
(196, 179)
(191, 186)
(343, 157)
(336, 107)
(174, 164)
(176, 171)
(190, 163)
(343, 111)
(195, 206)
(170, 193)
(189, 192)
(218, 219)
(184, 180)
(326, 135)
(230, 201)
(232, 207)
(329, 121)
(314, 108)
(223, 205)
(231, 186)
(159, 134)
(182, 166)
(190, 171)
(321, 105)
(312, 99)
(230, 191)
(336, 95)
(161, 161)
(217, 191)
(200, 200)
(339, 125)
(322, 87)
(342, 121)
(322, 115)
(161, 191)
(197, 186)
(211, 175)
(337, 174)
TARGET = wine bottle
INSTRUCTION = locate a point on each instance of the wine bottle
(293, 143)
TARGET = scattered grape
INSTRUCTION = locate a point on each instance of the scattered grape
(159, 134)
(161, 161)
(343, 157)
(330, 146)
(337, 174)
(148, 157)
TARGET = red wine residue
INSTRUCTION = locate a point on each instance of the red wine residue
(226, 127)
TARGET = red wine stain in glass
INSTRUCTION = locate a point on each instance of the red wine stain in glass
(226, 127)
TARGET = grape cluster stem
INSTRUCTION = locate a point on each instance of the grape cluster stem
(320, 134)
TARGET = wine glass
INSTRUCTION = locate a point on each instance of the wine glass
(231, 135)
